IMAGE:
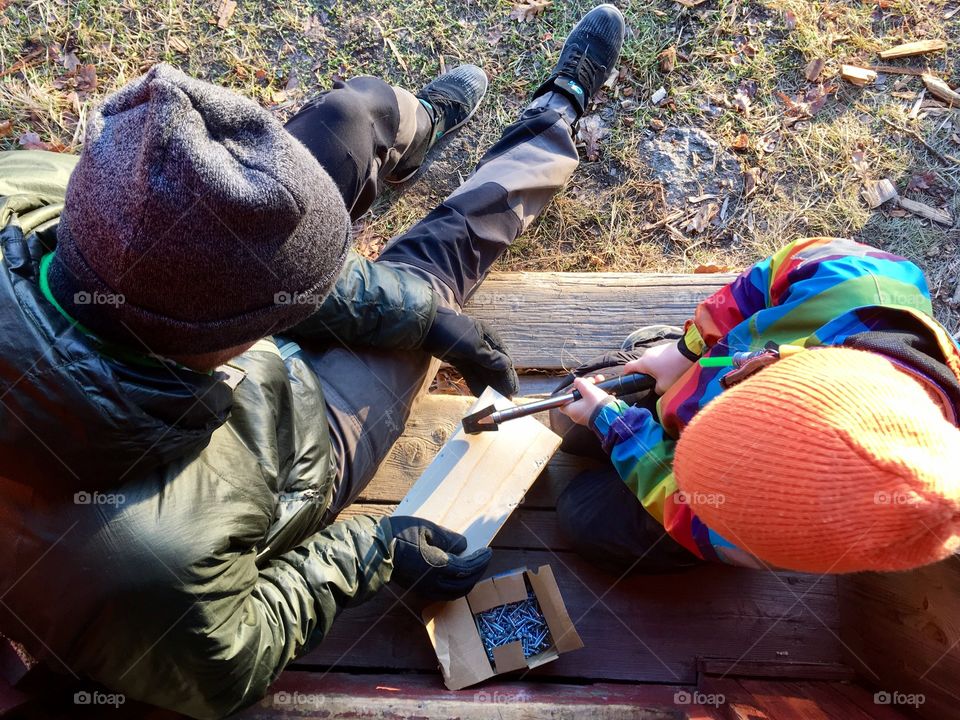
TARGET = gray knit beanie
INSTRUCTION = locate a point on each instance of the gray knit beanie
(193, 221)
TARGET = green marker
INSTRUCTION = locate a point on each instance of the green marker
(716, 361)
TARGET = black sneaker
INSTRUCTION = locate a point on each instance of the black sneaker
(588, 56)
(450, 100)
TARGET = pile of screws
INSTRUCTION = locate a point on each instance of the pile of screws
(520, 621)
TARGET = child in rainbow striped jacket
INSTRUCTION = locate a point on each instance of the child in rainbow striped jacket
(831, 448)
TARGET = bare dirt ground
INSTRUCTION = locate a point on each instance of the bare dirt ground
(709, 148)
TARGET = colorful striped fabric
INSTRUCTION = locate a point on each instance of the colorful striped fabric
(813, 292)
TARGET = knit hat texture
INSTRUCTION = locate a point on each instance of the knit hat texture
(829, 461)
(193, 221)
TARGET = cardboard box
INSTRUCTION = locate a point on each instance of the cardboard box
(457, 642)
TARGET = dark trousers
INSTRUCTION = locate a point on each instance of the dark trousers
(600, 516)
(364, 131)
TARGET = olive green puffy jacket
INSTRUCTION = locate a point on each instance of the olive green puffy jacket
(159, 526)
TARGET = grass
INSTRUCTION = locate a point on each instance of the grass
(280, 53)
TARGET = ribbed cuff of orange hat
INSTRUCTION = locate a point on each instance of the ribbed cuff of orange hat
(691, 345)
(606, 415)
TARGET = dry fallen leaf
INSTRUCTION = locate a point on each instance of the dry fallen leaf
(6, 128)
(741, 143)
(494, 37)
(743, 98)
(790, 21)
(70, 61)
(528, 11)
(922, 181)
(859, 161)
(750, 181)
(668, 60)
(591, 132)
(32, 141)
(704, 269)
(701, 220)
(814, 68)
(86, 79)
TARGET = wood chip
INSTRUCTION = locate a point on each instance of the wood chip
(659, 96)
(876, 193)
(857, 75)
(225, 11)
(178, 45)
(814, 68)
(939, 89)
(920, 47)
(895, 70)
(925, 211)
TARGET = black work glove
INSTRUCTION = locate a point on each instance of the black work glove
(425, 559)
(473, 348)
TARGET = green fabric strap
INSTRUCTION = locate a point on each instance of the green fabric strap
(110, 349)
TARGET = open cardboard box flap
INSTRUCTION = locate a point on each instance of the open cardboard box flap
(456, 640)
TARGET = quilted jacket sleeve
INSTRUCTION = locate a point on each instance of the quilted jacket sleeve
(372, 305)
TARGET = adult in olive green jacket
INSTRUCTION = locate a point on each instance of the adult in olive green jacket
(197, 373)
(168, 532)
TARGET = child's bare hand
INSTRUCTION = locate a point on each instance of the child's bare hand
(664, 362)
(580, 411)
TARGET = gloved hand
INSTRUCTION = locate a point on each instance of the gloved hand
(426, 559)
(473, 348)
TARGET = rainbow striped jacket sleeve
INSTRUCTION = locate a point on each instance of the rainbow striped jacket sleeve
(812, 292)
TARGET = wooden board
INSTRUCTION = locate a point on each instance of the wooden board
(902, 631)
(642, 628)
(475, 481)
(395, 697)
(432, 422)
(558, 320)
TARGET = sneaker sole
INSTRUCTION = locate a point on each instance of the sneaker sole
(456, 127)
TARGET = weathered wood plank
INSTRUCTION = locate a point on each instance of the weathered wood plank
(642, 628)
(903, 633)
(558, 320)
(392, 697)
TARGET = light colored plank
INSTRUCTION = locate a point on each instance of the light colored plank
(558, 320)
(432, 422)
(475, 481)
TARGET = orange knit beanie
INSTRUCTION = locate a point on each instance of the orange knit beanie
(831, 460)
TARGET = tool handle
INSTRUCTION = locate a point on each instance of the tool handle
(623, 385)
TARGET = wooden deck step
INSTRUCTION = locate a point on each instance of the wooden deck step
(338, 696)
(648, 629)
(553, 321)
